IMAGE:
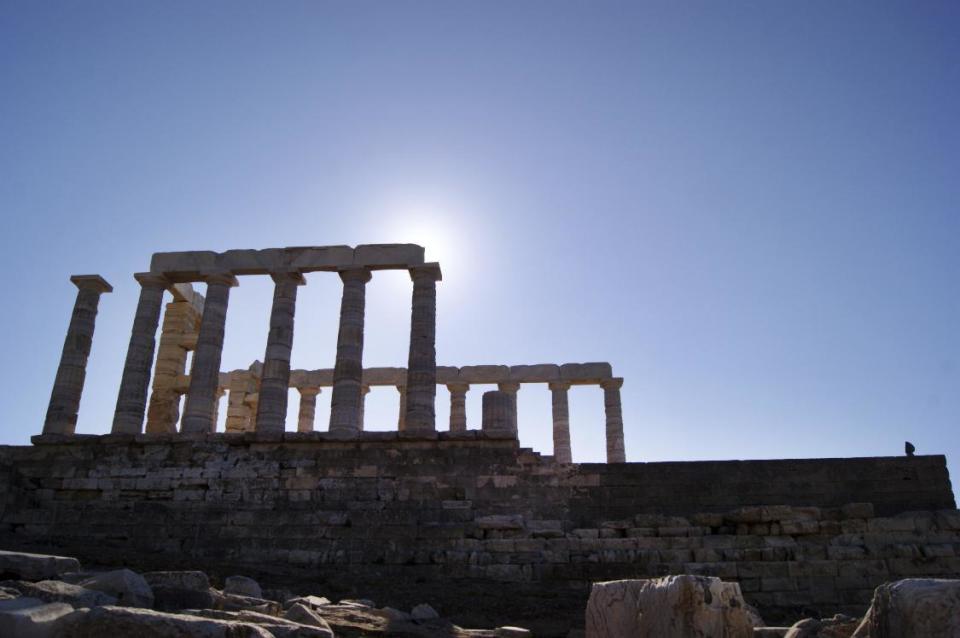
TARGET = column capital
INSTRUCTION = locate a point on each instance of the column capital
(287, 276)
(364, 389)
(426, 272)
(559, 385)
(458, 387)
(355, 273)
(152, 279)
(91, 282)
(612, 384)
(509, 386)
(219, 277)
(309, 391)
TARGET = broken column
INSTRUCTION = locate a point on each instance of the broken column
(308, 409)
(274, 385)
(132, 397)
(498, 413)
(510, 388)
(458, 406)
(205, 371)
(561, 421)
(178, 337)
(422, 361)
(614, 414)
(402, 419)
(68, 384)
(242, 400)
(348, 369)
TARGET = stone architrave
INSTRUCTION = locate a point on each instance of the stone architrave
(308, 409)
(402, 418)
(511, 388)
(348, 369)
(205, 371)
(422, 362)
(275, 383)
(614, 414)
(498, 413)
(132, 397)
(561, 421)
(68, 385)
(364, 391)
(458, 406)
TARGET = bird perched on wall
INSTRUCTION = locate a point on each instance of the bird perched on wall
(908, 448)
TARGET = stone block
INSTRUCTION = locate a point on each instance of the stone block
(184, 266)
(31, 618)
(388, 255)
(586, 373)
(384, 376)
(484, 374)
(538, 373)
(36, 566)
(126, 621)
(314, 258)
(252, 262)
(447, 374)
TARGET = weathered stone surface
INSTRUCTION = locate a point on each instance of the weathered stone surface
(9, 593)
(538, 373)
(35, 566)
(312, 602)
(484, 374)
(499, 413)
(388, 255)
(57, 591)
(128, 587)
(585, 373)
(278, 627)
(669, 607)
(423, 612)
(304, 615)
(915, 607)
(31, 618)
(176, 590)
(242, 586)
(236, 602)
(142, 623)
(512, 632)
(838, 627)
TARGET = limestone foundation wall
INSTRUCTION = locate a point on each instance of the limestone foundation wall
(475, 525)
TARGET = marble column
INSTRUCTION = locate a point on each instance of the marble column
(402, 419)
(511, 388)
(561, 421)
(499, 415)
(132, 397)
(364, 391)
(458, 406)
(205, 371)
(308, 409)
(611, 405)
(178, 334)
(422, 362)
(72, 371)
(348, 369)
(275, 383)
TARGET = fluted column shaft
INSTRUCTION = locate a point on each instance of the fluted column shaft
(348, 369)
(402, 418)
(561, 421)
(275, 382)
(308, 409)
(511, 388)
(205, 371)
(422, 362)
(364, 391)
(132, 397)
(458, 406)
(614, 414)
(68, 385)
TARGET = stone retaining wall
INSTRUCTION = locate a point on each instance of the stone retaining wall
(476, 526)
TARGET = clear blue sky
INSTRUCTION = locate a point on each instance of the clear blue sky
(749, 208)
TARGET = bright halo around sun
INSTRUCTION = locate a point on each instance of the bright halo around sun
(432, 228)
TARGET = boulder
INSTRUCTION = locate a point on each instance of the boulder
(35, 566)
(915, 607)
(56, 591)
(242, 586)
(30, 617)
(129, 588)
(143, 623)
(278, 627)
(423, 612)
(312, 602)
(306, 616)
(668, 607)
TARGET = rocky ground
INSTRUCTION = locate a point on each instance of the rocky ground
(44, 596)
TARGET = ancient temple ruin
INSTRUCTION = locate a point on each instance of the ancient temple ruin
(194, 323)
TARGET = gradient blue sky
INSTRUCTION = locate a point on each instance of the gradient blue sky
(749, 208)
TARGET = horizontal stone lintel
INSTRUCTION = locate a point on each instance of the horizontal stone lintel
(189, 266)
(246, 438)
